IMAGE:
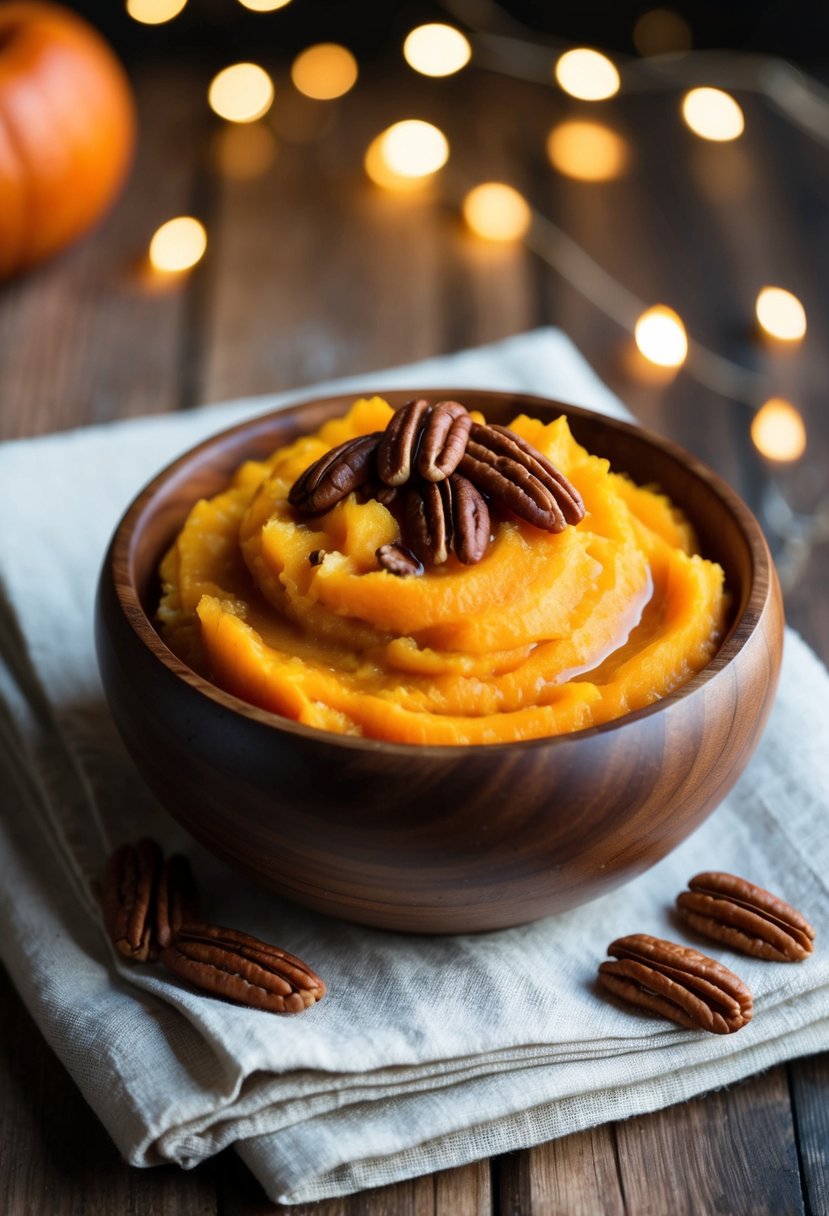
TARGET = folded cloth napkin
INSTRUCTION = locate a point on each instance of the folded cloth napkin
(428, 1052)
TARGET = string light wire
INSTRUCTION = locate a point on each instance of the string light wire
(505, 45)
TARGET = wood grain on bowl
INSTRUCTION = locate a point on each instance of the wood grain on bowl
(438, 839)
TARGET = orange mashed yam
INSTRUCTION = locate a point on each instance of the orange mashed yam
(549, 633)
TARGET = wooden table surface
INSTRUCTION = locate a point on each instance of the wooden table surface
(312, 272)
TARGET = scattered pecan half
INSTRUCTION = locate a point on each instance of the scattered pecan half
(399, 560)
(177, 900)
(444, 438)
(128, 899)
(677, 983)
(746, 917)
(241, 968)
(335, 475)
(398, 445)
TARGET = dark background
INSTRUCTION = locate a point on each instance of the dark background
(209, 28)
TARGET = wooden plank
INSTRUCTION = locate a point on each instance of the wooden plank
(809, 1085)
(465, 1191)
(731, 1151)
(55, 1156)
(89, 337)
(574, 1176)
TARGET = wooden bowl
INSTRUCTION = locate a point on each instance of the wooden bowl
(437, 839)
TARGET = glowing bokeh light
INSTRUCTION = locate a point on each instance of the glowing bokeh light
(661, 31)
(778, 432)
(242, 92)
(436, 50)
(587, 74)
(264, 6)
(381, 173)
(413, 148)
(178, 245)
(245, 152)
(587, 151)
(497, 212)
(324, 71)
(660, 336)
(781, 314)
(713, 114)
(154, 12)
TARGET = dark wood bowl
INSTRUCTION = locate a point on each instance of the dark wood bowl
(437, 839)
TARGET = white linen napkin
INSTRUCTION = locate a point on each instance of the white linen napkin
(428, 1052)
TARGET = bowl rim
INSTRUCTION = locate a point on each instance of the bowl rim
(121, 549)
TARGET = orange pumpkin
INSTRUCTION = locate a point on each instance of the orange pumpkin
(67, 130)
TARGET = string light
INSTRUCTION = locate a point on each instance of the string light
(264, 6)
(661, 337)
(781, 314)
(242, 92)
(587, 151)
(154, 12)
(178, 245)
(778, 432)
(437, 50)
(587, 75)
(713, 114)
(324, 71)
(381, 173)
(497, 212)
(406, 154)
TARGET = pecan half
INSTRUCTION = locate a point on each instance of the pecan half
(444, 440)
(677, 983)
(502, 439)
(745, 917)
(518, 477)
(428, 521)
(471, 525)
(338, 473)
(177, 900)
(446, 515)
(128, 899)
(399, 560)
(398, 445)
(241, 968)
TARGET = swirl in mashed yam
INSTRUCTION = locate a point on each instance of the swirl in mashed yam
(548, 633)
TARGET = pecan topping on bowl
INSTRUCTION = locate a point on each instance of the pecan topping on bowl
(677, 983)
(399, 443)
(455, 470)
(745, 917)
(444, 440)
(335, 475)
(399, 560)
(520, 478)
